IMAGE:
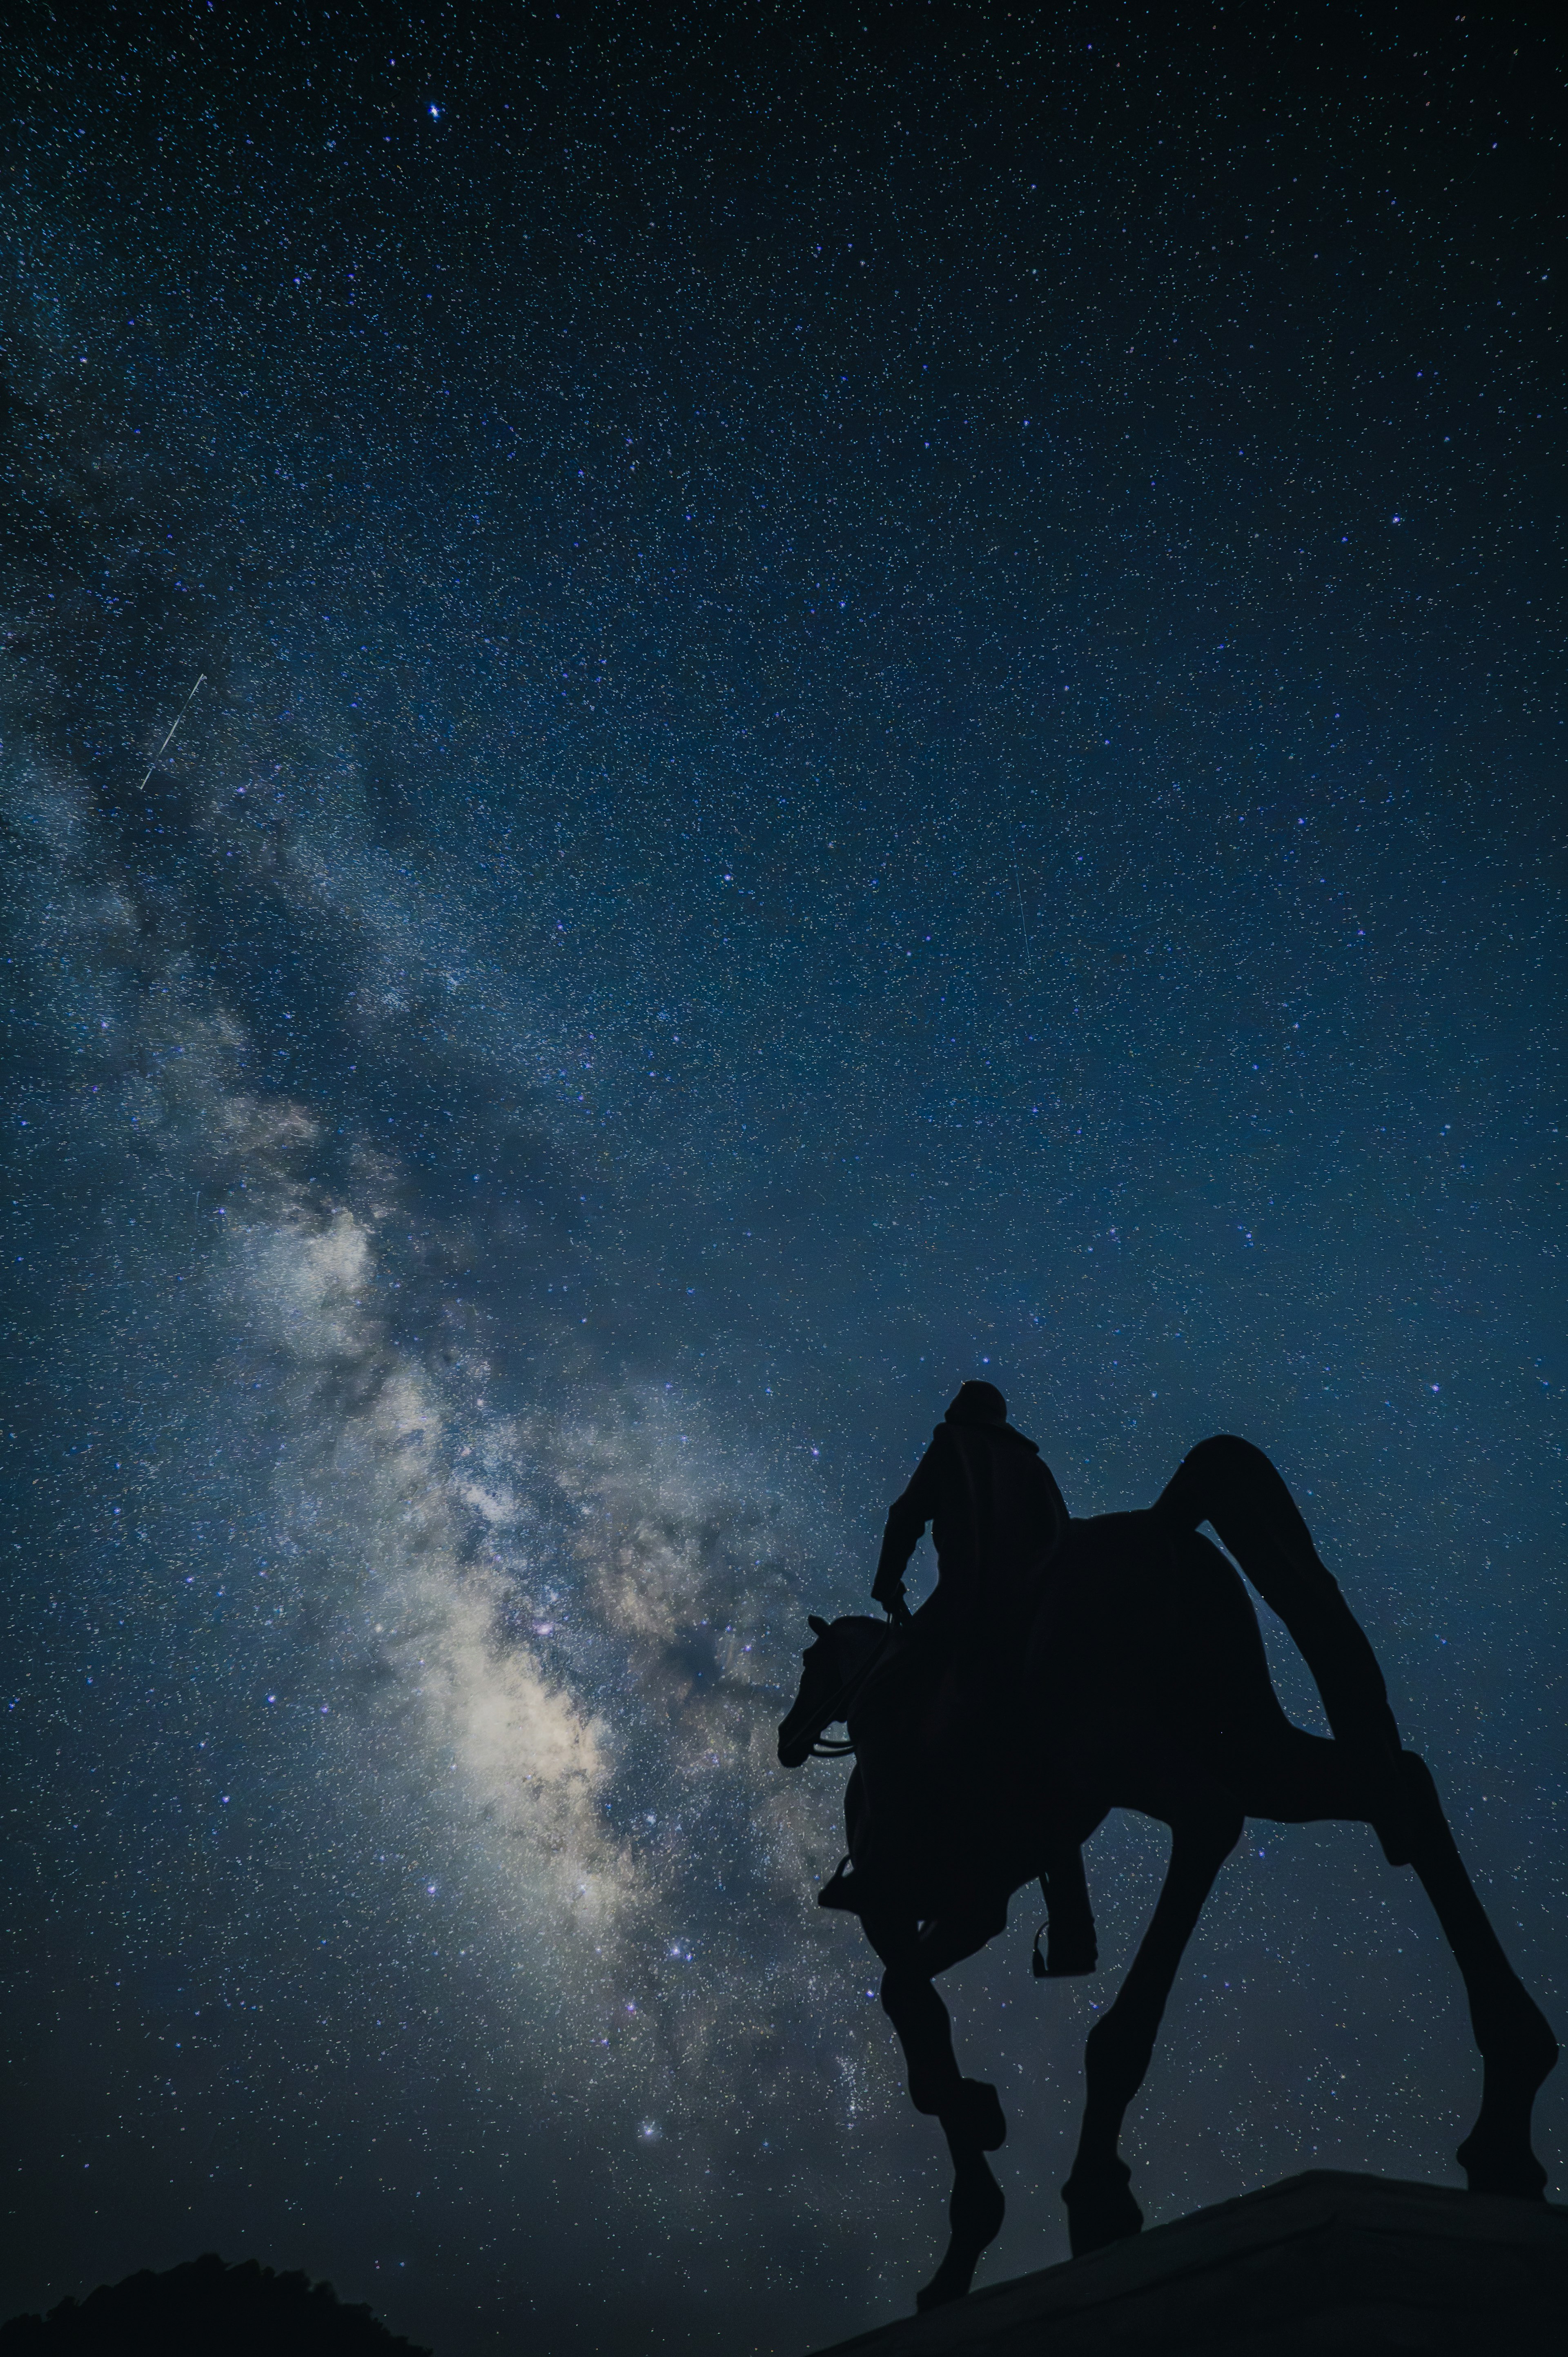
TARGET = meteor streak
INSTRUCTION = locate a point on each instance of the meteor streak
(168, 740)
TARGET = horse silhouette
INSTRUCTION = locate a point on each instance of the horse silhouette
(1144, 1687)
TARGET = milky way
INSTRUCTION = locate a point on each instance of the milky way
(872, 709)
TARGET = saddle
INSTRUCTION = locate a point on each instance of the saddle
(947, 1771)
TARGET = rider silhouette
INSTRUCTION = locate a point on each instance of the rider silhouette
(935, 1720)
(996, 1518)
(1066, 1668)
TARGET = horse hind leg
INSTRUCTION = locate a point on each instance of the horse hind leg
(1517, 2048)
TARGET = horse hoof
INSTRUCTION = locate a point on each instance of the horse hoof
(950, 2282)
(976, 2211)
(1495, 2156)
(1494, 2168)
(1101, 2211)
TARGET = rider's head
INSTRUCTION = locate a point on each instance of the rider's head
(978, 1404)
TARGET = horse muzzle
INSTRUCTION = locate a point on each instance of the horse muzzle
(796, 1736)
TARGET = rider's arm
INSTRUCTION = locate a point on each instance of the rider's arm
(907, 1519)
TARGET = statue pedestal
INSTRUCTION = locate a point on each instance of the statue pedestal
(1326, 2263)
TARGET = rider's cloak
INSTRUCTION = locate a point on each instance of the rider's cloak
(935, 1723)
(996, 1518)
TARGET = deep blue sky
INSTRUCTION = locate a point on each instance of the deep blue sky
(880, 702)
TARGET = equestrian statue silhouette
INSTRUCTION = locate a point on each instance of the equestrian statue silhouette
(1065, 1668)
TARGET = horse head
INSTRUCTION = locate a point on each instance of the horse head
(832, 1669)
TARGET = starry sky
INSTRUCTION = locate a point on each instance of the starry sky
(877, 703)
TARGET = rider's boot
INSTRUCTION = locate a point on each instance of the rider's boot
(1071, 1943)
(841, 1889)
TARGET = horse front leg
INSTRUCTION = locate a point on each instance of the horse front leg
(970, 2111)
(1517, 2048)
(1204, 1829)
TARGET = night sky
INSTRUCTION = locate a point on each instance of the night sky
(878, 705)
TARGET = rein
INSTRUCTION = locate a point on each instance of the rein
(822, 1746)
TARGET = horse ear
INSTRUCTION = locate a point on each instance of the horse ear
(818, 1627)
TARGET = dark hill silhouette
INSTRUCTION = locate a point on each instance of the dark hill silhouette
(194, 2309)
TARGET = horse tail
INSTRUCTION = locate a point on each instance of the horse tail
(1232, 1485)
